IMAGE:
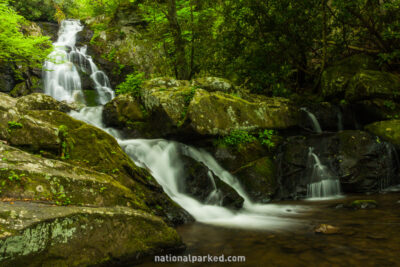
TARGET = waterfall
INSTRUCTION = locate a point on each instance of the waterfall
(340, 120)
(315, 123)
(161, 157)
(323, 183)
(61, 70)
(392, 177)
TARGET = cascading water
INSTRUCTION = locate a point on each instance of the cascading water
(323, 184)
(315, 124)
(161, 157)
(61, 70)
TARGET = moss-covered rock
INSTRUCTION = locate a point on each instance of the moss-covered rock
(335, 79)
(25, 176)
(369, 84)
(123, 110)
(258, 179)
(207, 188)
(387, 130)
(31, 85)
(41, 235)
(57, 135)
(214, 84)
(218, 113)
(38, 101)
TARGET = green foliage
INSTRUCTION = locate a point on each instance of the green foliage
(265, 138)
(132, 84)
(35, 10)
(67, 143)
(14, 125)
(238, 137)
(15, 47)
(389, 104)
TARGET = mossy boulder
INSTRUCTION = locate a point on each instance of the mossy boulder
(55, 134)
(335, 79)
(214, 84)
(369, 84)
(39, 101)
(218, 113)
(387, 130)
(42, 235)
(258, 179)
(203, 185)
(123, 110)
(377, 109)
(32, 177)
(31, 85)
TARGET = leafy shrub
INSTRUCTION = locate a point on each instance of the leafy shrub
(238, 137)
(132, 84)
(265, 138)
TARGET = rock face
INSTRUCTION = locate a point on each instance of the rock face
(253, 166)
(369, 84)
(219, 113)
(335, 79)
(203, 185)
(91, 192)
(7, 80)
(42, 235)
(54, 134)
(387, 130)
(171, 107)
(361, 161)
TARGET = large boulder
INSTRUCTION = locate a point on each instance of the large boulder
(258, 179)
(35, 234)
(335, 79)
(202, 184)
(38, 101)
(7, 79)
(369, 84)
(359, 160)
(55, 134)
(218, 113)
(387, 130)
(30, 177)
(30, 85)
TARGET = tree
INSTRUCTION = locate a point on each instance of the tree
(17, 48)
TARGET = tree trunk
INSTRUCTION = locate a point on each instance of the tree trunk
(181, 65)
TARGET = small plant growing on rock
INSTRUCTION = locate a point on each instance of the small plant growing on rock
(66, 141)
(12, 125)
(266, 138)
(132, 84)
(238, 137)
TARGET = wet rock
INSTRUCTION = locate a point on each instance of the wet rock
(203, 185)
(387, 130)
(38, 101)
(218, 113)
(65, 138)
(363, 204)
(42, 235)
(49, 29)
(122, 110)
(258, 179)
(326, 229)
(7, 80)
(369, 84)
(30, 85)
(359, 160)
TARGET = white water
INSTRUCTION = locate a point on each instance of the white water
(323, 183)
(61, 70)
(162, 157)
(315, 123)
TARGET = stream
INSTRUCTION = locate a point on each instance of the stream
(278, 233)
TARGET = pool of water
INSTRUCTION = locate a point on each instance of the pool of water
(366, 237)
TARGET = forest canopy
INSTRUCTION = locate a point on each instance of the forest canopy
(273, 47)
